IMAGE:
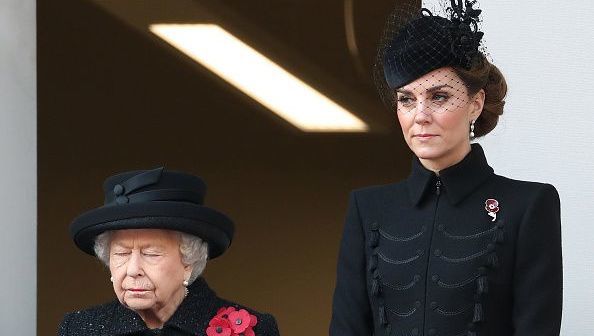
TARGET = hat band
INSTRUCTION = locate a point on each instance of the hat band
(159, 195)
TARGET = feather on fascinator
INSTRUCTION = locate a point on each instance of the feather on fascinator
(415, 42)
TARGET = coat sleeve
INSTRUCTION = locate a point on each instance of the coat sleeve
(538, 274)
(351, 311)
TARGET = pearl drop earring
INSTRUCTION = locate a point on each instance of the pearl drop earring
(186, 291)
(472, 129)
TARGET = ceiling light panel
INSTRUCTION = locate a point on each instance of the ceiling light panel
(259, 77)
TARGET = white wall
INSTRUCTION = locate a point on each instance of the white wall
(18, 168)
(545, 49)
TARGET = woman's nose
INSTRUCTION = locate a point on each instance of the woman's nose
(134, 267)
(424, 107)
(423, 113)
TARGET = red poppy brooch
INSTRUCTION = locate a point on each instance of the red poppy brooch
(232, 322)
(492, 207)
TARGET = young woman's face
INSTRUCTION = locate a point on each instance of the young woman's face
(435, 113)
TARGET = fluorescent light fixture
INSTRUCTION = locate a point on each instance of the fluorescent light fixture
(259, 77)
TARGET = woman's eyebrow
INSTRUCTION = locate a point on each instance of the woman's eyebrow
(439, 87)
(431, 89)
(140, 246)
(152, 247)
(122, 244)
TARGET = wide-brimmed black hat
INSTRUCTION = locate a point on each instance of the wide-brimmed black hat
(154, 199)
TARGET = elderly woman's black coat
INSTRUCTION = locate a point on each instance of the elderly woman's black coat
(424, 257)
(191, 318)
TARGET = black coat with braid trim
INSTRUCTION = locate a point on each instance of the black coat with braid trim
(191, 318)
(424, 257)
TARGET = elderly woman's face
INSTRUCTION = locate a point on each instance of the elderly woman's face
(435, 112)
(147, 269)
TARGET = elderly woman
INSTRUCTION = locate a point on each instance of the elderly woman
(453, 250)
(155, 235)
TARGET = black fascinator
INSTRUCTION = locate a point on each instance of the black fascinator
(416, 41)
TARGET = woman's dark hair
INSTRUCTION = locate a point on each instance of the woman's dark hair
(485, 75)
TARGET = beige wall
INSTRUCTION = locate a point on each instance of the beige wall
(17, 167)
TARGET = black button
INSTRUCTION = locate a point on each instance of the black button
(482, 270)
(437, 252)
(420, 252)
(373, 239)
(491, 247)
(375, 288)
(118, 189)
(414, 331)
(376, 274)
(122, 200)
(433, 305)
(372, 263)
(435, 278)
(440, 227)
(417, 278)
(432, 332)
(418, 304)
(374, 226)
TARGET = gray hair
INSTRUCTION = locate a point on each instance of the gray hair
(194, 251)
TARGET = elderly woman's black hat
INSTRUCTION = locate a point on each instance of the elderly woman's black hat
(155, 199)
(416, 42)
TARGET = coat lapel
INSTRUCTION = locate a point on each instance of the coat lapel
(458, 181)
(197, 309)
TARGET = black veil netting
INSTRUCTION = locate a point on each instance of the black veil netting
(416, 41)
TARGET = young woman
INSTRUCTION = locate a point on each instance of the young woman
(454, 249)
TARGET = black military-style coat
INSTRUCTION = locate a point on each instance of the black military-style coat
(426, 257)
(191, 318)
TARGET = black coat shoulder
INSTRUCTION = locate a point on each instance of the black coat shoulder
(378, 194)
(90, 321)
(192, 317)
(380, 189)
(524, 192)
(98, 320)
(521, 185)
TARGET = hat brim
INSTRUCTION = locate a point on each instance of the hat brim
(210, 225)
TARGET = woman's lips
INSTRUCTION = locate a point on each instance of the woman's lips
(424, 136)
(137, 292)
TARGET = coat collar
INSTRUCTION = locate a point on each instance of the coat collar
(192, 315)
(458, 181)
